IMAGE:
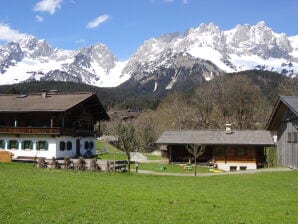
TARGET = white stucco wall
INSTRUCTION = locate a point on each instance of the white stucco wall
(53, 146)
(226, 166)
(66, 153)
(82, 145)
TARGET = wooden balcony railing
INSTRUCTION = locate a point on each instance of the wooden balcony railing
(46, 131)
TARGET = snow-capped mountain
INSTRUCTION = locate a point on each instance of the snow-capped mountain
(160, 63)
(243, 48)
(32, 59)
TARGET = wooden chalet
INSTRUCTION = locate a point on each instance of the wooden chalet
(283, 123)
(49, 124)
(227, 149)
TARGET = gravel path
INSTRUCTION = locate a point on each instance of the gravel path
(278, 169)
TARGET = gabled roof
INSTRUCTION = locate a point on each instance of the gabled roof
(283, 102)
(291, 102)
(55, 102)
(217, 137)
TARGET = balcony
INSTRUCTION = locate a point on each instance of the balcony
(46, 131)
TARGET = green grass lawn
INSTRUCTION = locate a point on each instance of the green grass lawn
(104, 146)
(108, 151)
(32, 195)
(154, 157)
(112, 156)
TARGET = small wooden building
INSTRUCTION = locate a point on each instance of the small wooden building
(49, 124)
(230, 150)
(283, 123)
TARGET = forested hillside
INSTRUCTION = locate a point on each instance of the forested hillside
(243, 99)
(120, 97)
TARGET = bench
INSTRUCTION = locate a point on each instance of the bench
(120, 165)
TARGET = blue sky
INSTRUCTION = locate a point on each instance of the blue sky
(123, 25)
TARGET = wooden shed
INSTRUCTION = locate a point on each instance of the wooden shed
(283, 123)
(5, 156)
(230, 150)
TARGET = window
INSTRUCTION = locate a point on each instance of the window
(87, 145)
(12, 144)
(69, 145)
(2, 144)
(91, 145)
(233, 168)
(295, 137)
(290, 137)
(243, 167)
(62, 146)
(42, 145)
(27, 145)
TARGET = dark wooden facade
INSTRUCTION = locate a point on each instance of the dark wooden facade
(284, 124)
(76, 119)
(219, 153)
(226, 149)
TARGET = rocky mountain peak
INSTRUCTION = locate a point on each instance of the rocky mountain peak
(35, 48)
(199, 53)
(100, 54)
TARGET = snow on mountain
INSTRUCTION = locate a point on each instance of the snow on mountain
(32, 59)
(241, 48)
(198, 54)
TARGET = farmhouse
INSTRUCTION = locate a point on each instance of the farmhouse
(283, 123)
(229, 150)
(50, 124)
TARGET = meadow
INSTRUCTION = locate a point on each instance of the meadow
(33, 195)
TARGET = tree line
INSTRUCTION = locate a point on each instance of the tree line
(243, 100)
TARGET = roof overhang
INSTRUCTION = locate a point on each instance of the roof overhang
(279, 108)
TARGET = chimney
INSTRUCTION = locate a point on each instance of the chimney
(44, 93)
(228, 128)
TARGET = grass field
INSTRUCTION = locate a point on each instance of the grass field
(32, 195)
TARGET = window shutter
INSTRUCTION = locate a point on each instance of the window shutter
(37, 146)
(295, 137)
(69, 145)
(8, 145)
(91, 145)
(86, 145)
(46, 146)
(289, 137)
(62, 146)
(22, 145)
(2, 144)
(31, 145)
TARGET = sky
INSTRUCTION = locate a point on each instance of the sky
(123, 25)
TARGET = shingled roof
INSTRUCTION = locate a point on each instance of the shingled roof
(217, 137)
(55, 102)
(283, 102)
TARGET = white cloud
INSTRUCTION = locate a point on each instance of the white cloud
(184, 2)
(49, 6)
(8, 34)
(39, 18)
(97, 21)
(81, 41)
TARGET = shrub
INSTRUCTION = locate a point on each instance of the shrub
(55, 163)
(41, 163)
(81, 164)
(93, 165)
(68, 164)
